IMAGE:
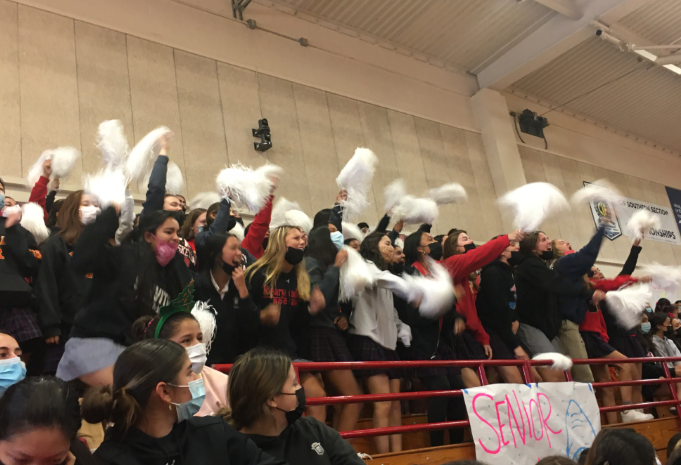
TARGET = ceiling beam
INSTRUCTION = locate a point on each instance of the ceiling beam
(564, 7)
(552, 39)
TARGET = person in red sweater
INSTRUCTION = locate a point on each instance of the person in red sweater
(595, 336)
(39, 193)
(259, 229)
(461, 258)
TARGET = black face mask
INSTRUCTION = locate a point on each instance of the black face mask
(265, 242)
(515, 258)
(179, 215)
(547, 255)
(294, 256)
(435, 250)
(397, 268)
(238, 219)
(296, 413)
(469, 247)
(228, 268)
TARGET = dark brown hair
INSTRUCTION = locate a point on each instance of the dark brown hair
(137, 372)
(530, 242)
(256, 377)
(69, 223)
(452, 242)
(145, 327)
(187, 230)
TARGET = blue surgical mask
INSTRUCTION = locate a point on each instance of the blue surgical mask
(645, 328)
(201, 228)
(12, 370)
(337, 239)
(2, 200)
(649, 310)
(189, 409)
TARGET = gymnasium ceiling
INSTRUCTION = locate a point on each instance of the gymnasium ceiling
(545, 50)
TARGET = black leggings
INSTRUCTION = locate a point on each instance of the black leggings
(445, 408)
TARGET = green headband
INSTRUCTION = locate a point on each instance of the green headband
(182, 303)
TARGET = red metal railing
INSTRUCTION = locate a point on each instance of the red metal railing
(525, 367)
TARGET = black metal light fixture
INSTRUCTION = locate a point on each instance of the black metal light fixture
(263, 132)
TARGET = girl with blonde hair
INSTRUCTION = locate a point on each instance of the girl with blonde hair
(280, 289)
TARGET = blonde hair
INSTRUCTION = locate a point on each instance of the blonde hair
(256, 377)
(273, 262)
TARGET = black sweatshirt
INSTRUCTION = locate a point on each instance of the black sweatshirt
(328, 282)
(294, 319)
(613, 328)
(538, 289)
(310, 442)
(18, 263)
(197, 441)
(110, 309)
(495, 302)
(59, 289)
(237, 320)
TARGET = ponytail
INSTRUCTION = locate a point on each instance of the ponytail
(103, 404)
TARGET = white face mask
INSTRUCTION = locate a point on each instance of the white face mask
(11, 210)
(88, 214)
(197, 355)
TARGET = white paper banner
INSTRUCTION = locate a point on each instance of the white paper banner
(518, 424)
(668, 232)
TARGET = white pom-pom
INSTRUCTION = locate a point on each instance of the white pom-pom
(174, 180)
(270, 172)
(449, 193)
(399, 243)
(437, 291)
(416, 211)
(560, 361)
(394, 193)
(532, 203)
(205, 316)
(33, 220)
(355, 178)
(287, 213)
(107, 186)
(601, 190)
(627, 304)
(664, 277)
(204, 200)
(36, 170)
(144, 153)
(238, 231)
(112, 142)
(245, 187)
(351, 231)
(63, 161)
(355, 275)
(640, 222)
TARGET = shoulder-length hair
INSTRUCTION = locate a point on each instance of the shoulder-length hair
(187, 230)
(272, 262)
(69, 223)
(370, 251)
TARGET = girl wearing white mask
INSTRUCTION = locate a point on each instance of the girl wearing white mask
(60, 290)
(152, 380)
(129, 281)
(182, 327)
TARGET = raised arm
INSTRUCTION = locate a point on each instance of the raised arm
(258, 229)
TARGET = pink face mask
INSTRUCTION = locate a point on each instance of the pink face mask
(165, 251)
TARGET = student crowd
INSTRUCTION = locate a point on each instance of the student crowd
(129, 312)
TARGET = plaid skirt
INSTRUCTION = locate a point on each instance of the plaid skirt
(443, 352)
(629, 346)
(500, 350)
(466, 347)
(20, 322)
(365, 349)
(596, 347)
(328, 345)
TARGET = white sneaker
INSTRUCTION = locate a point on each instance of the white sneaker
(629, 416)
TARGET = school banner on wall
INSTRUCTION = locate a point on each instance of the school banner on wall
(668, 232)
(518, 424)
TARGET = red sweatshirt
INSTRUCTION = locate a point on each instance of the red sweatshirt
(594, 321)
(257, 230)
(459, 267)
(39, 194)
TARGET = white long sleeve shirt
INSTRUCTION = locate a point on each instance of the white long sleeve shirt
(374, 314)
